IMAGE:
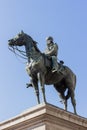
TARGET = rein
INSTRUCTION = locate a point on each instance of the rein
(22, 54)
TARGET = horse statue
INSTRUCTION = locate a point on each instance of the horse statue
(39, 69)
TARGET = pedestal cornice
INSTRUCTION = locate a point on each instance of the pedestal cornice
(45, 116)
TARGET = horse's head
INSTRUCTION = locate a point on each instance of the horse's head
(19, 40)
(23, 39)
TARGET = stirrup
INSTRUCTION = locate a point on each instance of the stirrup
(54, 70)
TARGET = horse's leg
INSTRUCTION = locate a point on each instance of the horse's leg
(65, 104)
(42, 82)
(64, 101)
(73, 100)
(61, 94)
(34, 82)
(71, 94)
(35, 85)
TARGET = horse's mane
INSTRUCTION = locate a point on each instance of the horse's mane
(35, 45)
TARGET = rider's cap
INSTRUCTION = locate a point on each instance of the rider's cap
(49, 39)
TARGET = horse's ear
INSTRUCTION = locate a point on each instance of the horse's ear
(22, 32)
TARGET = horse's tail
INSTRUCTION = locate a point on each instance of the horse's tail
(74, 81)
(73, 87)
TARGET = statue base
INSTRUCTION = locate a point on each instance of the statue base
(45, 117)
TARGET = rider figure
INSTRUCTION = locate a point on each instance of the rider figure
(52, 51)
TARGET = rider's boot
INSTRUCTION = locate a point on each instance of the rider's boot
(29, 85)
(55, 64)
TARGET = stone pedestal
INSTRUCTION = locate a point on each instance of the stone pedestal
(45, 117)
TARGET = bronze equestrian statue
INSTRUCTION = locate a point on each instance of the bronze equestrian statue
(43, 67)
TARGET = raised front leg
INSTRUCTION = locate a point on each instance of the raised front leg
(33, 81)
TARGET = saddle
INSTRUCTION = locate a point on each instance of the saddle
(48, 63)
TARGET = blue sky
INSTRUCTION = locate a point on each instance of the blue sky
(66, 21)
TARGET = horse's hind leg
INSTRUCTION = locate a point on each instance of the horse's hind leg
(73, 101)
(72, 95)
(61, 95)
(63, 100)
